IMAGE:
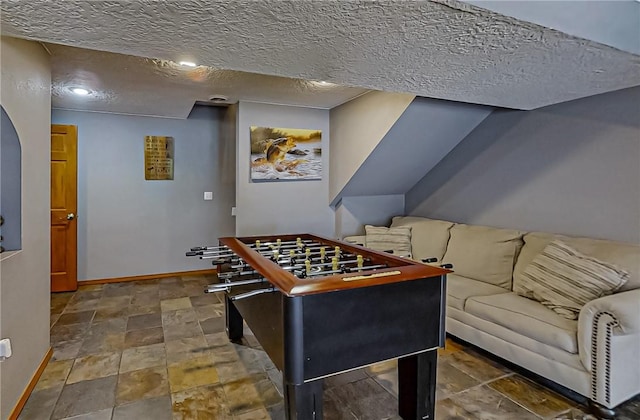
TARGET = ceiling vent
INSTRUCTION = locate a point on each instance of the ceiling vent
(218, 99)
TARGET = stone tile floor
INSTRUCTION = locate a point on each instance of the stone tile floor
(156, 349)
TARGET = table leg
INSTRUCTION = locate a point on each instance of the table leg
(303, 402)
(417, 386)
(233, 319)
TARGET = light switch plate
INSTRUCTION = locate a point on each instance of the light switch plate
(208, 195)
(5, 349)
(233, 210)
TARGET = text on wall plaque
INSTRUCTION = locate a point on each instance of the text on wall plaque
(158, 158)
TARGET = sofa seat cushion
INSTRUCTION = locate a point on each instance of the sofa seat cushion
(526, 317)
(510, 344)
(483, 253)
(459, 289)
(429, 237)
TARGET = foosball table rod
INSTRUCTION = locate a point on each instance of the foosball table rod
(225, 287)
(209, 248)
(253, 293)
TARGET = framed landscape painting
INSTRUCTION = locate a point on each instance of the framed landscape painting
(285, 154)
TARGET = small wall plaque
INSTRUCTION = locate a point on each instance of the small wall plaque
(158, 158)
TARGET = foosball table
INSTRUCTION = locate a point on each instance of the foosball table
(320, 307)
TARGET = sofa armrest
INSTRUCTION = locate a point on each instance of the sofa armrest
(358, 239)
(609, 344)
(624, 307)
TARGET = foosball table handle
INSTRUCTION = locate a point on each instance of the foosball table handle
(215, 288)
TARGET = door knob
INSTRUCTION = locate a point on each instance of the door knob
(71, 216)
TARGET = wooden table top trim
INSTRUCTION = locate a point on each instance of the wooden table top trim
(291, 285)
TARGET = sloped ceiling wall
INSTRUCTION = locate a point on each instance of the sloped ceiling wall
(356, 129)
(426, 131)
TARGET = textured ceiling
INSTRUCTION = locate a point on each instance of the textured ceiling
(441, 49)
(134, 85)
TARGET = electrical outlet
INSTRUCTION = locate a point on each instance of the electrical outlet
(208, 195)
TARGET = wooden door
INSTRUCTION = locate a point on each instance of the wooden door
(63, 208)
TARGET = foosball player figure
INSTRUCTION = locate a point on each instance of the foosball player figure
(307, 264)
(292, 256)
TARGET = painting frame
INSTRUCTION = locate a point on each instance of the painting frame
(285, 154)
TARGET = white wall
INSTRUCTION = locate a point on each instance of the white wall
(356, 129)
(128, 226)
(24, 276)
(282, 206)
(571, 168)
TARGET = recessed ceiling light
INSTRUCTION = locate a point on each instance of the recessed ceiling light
(79, 91)
(187, 63)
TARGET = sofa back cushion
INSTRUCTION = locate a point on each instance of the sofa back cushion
(622, 255)
(429, 237)
(484, 253)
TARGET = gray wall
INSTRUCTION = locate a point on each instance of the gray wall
(24, 275)
(10, 184)
(282, 206)
(354, 212)
(614, 23)
(128, 226)
(571, 168)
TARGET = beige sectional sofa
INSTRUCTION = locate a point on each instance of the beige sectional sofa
(596, 355)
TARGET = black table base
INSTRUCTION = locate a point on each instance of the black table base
(303, 395)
